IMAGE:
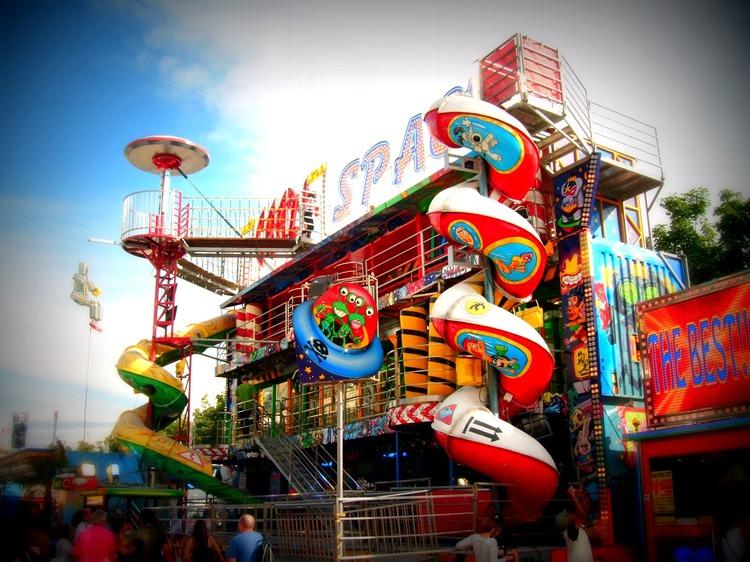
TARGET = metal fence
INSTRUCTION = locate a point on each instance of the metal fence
(400, 524)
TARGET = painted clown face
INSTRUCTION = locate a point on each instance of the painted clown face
(347, 315)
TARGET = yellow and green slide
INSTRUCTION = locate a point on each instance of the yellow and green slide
(167, 397)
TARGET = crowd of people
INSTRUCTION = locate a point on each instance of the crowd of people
(93, 536)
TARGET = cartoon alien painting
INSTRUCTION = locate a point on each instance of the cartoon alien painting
(345, 314)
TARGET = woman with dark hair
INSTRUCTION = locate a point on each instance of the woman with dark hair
(201, 546)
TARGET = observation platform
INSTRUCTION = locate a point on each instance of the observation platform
(535, 84)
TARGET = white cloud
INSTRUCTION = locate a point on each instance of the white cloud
(293, 84)
(44, 343)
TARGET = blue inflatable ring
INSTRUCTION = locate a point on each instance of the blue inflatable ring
(346, 363)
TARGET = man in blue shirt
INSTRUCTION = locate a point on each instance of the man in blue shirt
(245, 546)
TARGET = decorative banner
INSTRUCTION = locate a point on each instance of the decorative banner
(336, 336)
(577, 310)
(581, 427)
(696, 346)
(384, 169)
(408, 414)
(623, 276)
(72, 482)
(18, 436)
(574, 194)
(315, 174)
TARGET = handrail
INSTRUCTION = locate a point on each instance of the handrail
(636, 142)
(298, 459)
(576, 102)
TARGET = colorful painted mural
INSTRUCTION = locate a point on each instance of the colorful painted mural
(356, 430)
(619, 422)
(336, 336)
(623, 276)
(574, 191)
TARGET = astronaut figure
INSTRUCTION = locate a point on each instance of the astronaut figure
(82, 285)
(475, 141)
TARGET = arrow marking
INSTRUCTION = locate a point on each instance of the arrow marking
(473, 426)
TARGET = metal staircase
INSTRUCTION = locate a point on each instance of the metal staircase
(308, 471)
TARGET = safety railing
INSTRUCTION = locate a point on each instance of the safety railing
(499, 71)
(568, 125)
(394, 526)
(231, 271)
(251, 217)
(626, 141)
(170, 214)
(309, 470)
(412, 258)
(154, 213)
(216, 432)
(418, 524)
(576, 105)
(541, 71)
(314, 407)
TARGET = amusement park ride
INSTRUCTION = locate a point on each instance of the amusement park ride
(439, 275)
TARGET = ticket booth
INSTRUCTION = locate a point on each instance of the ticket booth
(694, 453)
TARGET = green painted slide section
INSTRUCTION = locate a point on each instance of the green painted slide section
(168, 403)
(197, 478)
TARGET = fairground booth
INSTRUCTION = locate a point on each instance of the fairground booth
(694, 453)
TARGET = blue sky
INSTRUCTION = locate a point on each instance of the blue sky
(272, 90)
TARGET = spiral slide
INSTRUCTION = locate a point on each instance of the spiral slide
(138, 430)
(500, 139)
(470, 433)
(487, 226)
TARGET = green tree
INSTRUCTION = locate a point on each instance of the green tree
(733, 225)
(85, 447)
(209, 422)
(106, 445)
(711, 250)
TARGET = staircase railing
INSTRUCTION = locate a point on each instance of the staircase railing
(305, 472)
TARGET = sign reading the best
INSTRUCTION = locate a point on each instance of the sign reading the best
(697, 352)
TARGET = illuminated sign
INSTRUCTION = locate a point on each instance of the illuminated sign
(697, 351)
(384, 169)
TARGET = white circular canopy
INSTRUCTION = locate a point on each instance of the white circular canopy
(187, 155)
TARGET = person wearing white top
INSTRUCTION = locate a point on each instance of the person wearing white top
(484, 544)
(576, 539)
(83, 525)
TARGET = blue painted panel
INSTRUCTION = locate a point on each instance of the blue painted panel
(624, 275)
(127, 462)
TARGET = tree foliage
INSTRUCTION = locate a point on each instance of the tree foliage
(106, 445)
(712, 250)
(733, 225)
(208, 422)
